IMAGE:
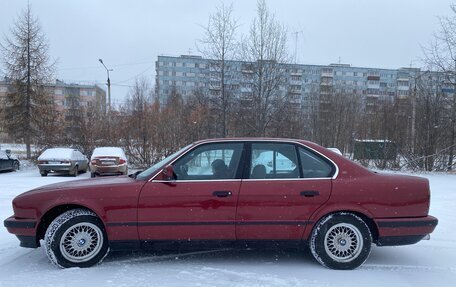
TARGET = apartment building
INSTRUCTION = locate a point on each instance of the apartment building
(304, 83)
(73, 102)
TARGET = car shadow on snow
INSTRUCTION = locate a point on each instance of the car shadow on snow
(222, 255)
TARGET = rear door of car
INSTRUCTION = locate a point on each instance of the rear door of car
(276, 198)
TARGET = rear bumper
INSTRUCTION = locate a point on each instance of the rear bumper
(24, 229)
(55, 167)
(404, 231)
(108, 170)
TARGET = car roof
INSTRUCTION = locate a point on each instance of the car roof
(54, 153)
(252, 139)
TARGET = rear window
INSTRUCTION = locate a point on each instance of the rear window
(57, 153)
(109, 151)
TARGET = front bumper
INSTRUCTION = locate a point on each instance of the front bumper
(404, 231)
(24, 229)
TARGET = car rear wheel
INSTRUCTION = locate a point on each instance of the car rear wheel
(76, 238)
(75, 171)
(341, 241)
(43, 173)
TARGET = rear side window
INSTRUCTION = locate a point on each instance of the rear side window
(273, 161)
(313, 165)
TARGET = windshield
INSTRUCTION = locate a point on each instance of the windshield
(145, 174)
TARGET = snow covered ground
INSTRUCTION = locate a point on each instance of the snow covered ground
(428, 263)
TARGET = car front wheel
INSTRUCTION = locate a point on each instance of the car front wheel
(76, 238)
(341, 241)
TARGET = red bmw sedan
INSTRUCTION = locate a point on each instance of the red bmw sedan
(229, 191)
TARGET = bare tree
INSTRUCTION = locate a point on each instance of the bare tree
(441, 53)
(265, 50)
(219, 45)
(26, 60)
(140, 132)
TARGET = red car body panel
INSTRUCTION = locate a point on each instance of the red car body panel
(264, 201)
(190, 208)
(395, 206)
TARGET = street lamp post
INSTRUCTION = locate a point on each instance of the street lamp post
(109, 85)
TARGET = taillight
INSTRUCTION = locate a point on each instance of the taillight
(42, 162)
(93, 161)
(122, 161)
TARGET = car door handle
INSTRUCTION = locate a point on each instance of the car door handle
(222, 193)
(310, 193)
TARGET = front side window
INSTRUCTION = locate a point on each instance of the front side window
(209, 162)
(273, 161)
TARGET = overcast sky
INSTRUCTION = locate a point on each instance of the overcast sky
(129, 35)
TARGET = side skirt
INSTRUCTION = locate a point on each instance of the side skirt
(206, 244)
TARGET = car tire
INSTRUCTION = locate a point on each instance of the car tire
(76, 238)
(43, 173)
(15, 165)
(341, 241)
(92, 175)
(75, 171)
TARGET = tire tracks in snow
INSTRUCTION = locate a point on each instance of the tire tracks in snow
(407, 267)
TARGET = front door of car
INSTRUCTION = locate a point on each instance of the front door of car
(3, 160)
(278, 195)
(200, 203)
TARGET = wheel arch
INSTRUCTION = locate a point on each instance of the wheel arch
(52, 214)
(367, 219)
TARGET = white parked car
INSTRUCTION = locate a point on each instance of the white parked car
(62, 160)
(108, 161)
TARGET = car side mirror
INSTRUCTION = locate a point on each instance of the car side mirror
(168, 173)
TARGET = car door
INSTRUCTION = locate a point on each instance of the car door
(200, 203)
(3, 160)
(276, 199)
(82, 161)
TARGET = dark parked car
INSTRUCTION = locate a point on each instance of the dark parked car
(230, 191)
(8, 161)
(62, 160)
